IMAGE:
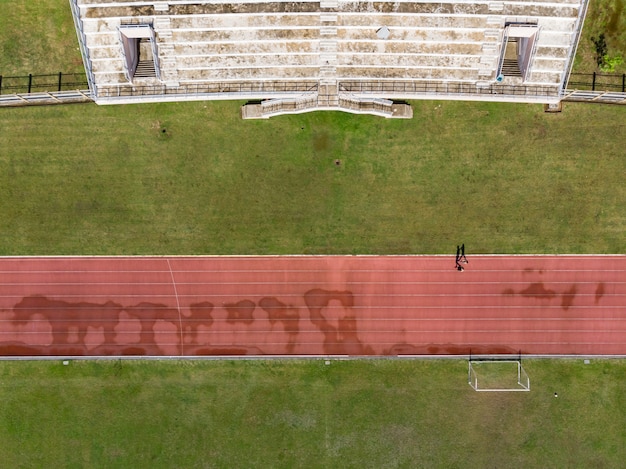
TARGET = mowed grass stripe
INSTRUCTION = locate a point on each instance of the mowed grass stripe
(369, 413)
(192, 178)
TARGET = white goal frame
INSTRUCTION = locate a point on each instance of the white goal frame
(473, 378)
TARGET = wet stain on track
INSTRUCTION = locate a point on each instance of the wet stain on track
(317, 305)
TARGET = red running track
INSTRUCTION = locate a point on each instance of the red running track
(312, 305)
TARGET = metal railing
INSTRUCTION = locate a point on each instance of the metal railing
(313, 102)
(407, 88)
(84, 50)
(129, 91)
(382, 106)
(45, 98)
(597, 82)
(73, 87)
(601, 97)
(43, 83)
(288, 105)
(578, 28)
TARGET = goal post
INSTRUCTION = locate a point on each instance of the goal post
(497, 375)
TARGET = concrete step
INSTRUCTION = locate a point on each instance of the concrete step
(493, 33)
(326, 45)
(328, 17)
(161, 22)
(145, 69)
(510, 68)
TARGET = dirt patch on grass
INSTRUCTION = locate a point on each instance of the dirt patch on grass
(321, 142)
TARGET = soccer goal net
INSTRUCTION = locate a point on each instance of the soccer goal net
(497, 375)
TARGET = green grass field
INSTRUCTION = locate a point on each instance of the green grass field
(192, 178)
(360, 414)
(38, 37)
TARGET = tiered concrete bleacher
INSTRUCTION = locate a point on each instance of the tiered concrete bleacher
(362, 50)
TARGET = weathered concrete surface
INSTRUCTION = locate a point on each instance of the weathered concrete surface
(454, 42)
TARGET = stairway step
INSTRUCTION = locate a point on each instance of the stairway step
(511, 68)
(145, 69)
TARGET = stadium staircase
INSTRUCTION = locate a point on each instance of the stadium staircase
(326, 102)
(510, 68)
(145, 69)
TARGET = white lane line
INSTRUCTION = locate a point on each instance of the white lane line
(180, 319)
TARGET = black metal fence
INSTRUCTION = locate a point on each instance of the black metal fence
(78, 81)
(262, 87)
(400, 88)
(597, 82)
(43, 83)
